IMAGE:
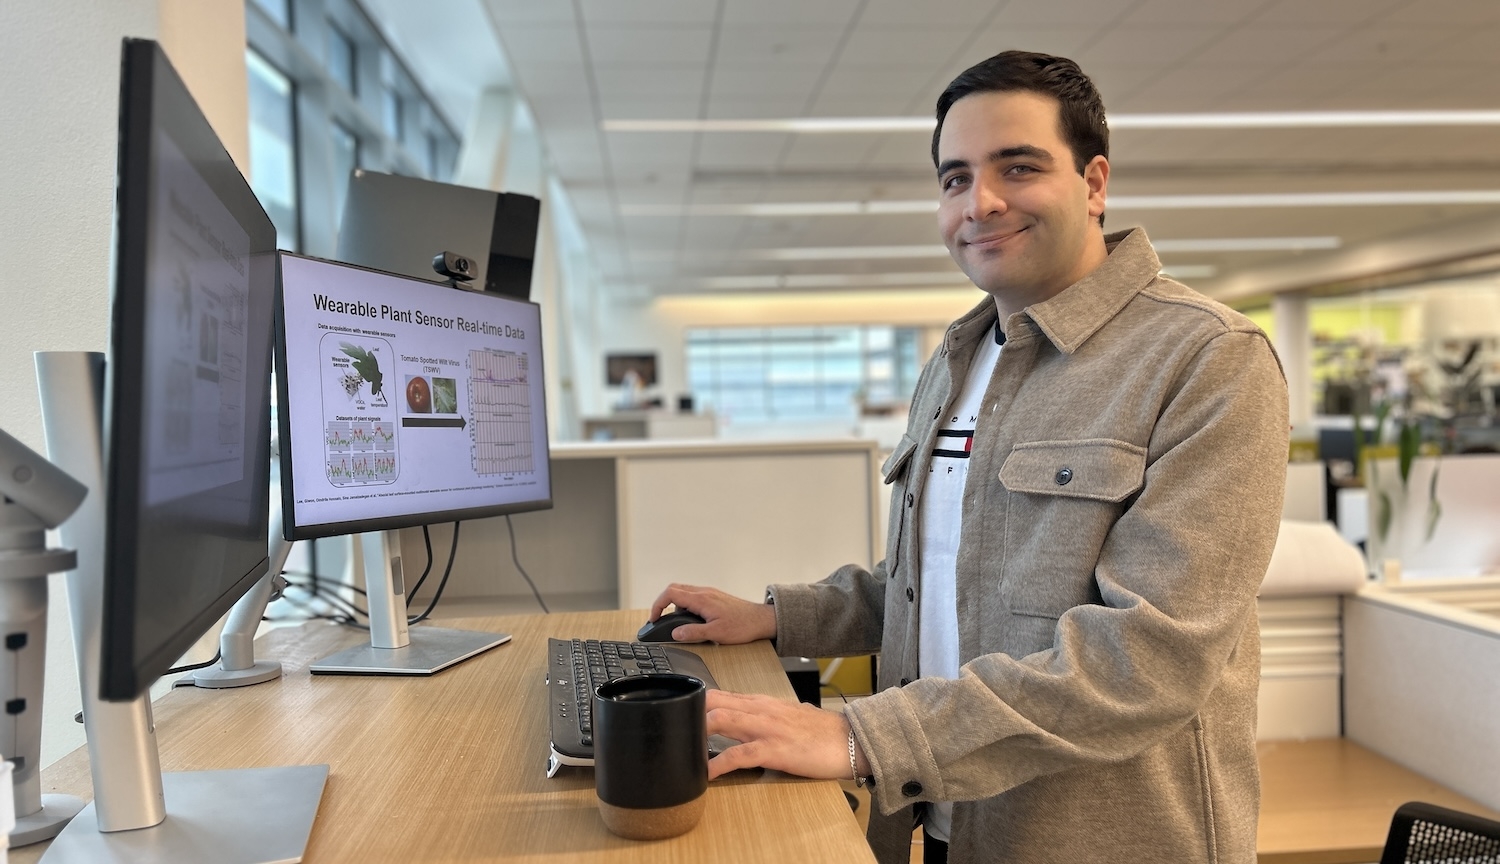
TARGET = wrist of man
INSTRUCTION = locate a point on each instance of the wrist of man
(859, 765)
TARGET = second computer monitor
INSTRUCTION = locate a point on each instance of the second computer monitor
(403, 402)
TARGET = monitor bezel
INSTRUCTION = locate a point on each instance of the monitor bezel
(143, 67)
(291, 529)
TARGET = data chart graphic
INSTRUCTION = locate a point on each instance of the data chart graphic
(500, 402)
(359, 420)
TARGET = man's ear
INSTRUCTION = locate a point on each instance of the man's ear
(1096, 176)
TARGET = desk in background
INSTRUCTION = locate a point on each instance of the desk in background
(453, 767)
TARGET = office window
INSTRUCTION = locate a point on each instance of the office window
(791, 374)
(345, 160)
(341, 58)
(279, 11)
(273, 150)
(314, 122)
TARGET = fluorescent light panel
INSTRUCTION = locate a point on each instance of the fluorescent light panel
(1216, 120)
(1118, 202)
(1195, 244)
(832, 280)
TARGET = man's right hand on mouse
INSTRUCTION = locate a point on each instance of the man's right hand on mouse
(727, 619)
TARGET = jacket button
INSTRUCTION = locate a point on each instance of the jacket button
(910, 595)
(910, 499)
(1064, 476)
(905, 681)
(911, 788)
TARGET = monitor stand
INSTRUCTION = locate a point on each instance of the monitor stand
(395, 649)
(244, 816)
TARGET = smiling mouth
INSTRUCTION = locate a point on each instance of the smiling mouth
(993, 241)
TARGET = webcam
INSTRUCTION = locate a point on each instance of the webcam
(454, 266)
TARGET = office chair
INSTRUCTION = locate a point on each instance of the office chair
(1422, 833)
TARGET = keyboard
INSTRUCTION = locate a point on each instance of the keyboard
(575, 667)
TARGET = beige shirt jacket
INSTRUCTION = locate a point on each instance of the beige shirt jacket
(1123, 499)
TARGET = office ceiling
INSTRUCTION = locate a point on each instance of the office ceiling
(663, 210)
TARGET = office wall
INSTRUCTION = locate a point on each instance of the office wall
(60, 61)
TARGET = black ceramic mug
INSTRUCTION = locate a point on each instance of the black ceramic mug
(650, 754)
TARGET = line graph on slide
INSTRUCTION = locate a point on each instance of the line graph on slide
(500, 402)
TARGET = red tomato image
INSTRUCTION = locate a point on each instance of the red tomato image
(419, 396)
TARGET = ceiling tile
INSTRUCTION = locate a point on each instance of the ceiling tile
(649, 147)
(613, 43)
(509, 12)
(740, 150)
(631, 82)
(1178, 13)
(1468, 13)
(917, 13)
(1379, 46)
(638, 12)
(758, 43)
(869, 46)
(790, 14)
(741, 80)
(554, 44)
(1346, 14)
(1146, 47)
(1014, 36)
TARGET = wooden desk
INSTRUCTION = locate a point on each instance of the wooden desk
(1331, 801)
(452, 767)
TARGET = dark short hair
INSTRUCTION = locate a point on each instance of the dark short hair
(1080, 109)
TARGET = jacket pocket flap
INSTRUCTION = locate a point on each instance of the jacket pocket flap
(1098, 468)
(898, 458)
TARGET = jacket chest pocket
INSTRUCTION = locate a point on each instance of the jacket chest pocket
(897, 472)
(1064, 496)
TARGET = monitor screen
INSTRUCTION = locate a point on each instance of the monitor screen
(188, 374)
(404, 403)
(399, 224)
(643, 365)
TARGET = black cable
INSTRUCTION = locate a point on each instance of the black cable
(427, 540)
(315, 579)
(516, 558)
(178, 670)
(344, 612)
(438, 594)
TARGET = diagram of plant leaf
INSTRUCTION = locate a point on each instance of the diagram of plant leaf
(365, 364)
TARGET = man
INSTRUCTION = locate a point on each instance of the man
(1082, 510)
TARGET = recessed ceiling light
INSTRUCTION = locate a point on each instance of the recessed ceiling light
(1115, 202)
(1246, 244)
(1190, 271)
(1215, 120)
(831, 280)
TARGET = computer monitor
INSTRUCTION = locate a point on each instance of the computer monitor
(399, 224)
(404, 403)
(178, 464)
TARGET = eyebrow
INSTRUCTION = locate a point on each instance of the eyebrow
(1020, 151)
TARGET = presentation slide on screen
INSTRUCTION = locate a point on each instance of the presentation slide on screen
(196, 338)
(408, 397)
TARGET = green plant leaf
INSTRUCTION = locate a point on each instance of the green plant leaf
(1408, 442)
(1382, 516)
(1434, 506)
(1382, 411)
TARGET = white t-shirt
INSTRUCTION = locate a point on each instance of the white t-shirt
(941, 517)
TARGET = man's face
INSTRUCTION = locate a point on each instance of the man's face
(1014, 212)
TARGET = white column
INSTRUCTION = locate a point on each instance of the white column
(486, 147)
(1292, 336)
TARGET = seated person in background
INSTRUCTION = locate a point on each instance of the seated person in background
(1082, 509)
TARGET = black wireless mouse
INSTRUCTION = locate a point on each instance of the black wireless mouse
(661, 629)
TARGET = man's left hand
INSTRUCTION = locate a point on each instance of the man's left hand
(786, 736)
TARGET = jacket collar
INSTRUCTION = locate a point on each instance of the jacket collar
(1077, 313)
(1071, 317)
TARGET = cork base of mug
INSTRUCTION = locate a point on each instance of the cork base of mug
(653, 824)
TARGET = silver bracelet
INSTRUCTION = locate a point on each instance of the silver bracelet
(853, 763)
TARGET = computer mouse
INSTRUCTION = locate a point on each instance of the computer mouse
(661, 629)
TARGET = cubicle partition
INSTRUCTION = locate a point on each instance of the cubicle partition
(631, 517)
